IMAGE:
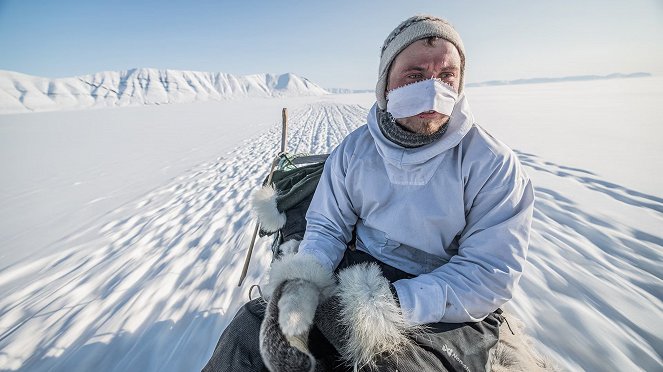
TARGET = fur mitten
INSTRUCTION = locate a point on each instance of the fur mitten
(298, 302)
(284, 352)
(297, 284)
(363, 319)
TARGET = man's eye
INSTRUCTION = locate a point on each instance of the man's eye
(447, 75)
(414, 76)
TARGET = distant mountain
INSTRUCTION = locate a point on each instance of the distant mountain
(348, 91)
(559, 79)
(518, 81)
(24, 93)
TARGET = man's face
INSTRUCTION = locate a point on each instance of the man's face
(420, 61)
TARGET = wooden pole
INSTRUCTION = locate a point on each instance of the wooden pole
(284, 128)
(284, 135)
(245, 269)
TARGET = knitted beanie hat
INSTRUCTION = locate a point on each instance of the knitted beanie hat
(409, 31)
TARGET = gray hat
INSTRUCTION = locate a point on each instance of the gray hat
(409, 31)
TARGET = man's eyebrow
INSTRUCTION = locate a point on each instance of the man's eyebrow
(420, 68)
(415, 68)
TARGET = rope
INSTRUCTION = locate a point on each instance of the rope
(251, 290)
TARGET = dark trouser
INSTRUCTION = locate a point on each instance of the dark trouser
(443, 347)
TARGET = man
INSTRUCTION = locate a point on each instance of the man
(441, 211)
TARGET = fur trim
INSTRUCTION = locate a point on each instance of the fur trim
(297, 306)
(263, 205)
(374, 320)
(517, 353)
(289, 247)
(300, 266)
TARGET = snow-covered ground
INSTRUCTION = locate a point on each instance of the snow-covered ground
(123, 230)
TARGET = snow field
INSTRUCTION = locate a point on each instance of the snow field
(155, 289)
(108, 265)
(65, 171)
(591, 290)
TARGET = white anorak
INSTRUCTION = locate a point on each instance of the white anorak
(456, 213)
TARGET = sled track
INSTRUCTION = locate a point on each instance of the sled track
(160, 281)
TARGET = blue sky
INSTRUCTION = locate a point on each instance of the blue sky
(333, 43)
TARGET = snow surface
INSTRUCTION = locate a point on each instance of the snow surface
(25, 93)
(123, 230)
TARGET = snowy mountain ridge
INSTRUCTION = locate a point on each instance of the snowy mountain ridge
(542, 80)
(25, 93)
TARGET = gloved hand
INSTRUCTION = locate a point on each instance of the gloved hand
(296, 285)
(287, 352)
(363, 319)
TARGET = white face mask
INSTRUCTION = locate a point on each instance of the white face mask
(422, 96)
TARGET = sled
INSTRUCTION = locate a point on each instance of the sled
(293, 177)
(291, 181)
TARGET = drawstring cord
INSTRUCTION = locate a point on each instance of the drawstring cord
(508, 325)
(503, 319)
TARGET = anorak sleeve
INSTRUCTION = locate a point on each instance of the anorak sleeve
(491, 255)
(331, 217)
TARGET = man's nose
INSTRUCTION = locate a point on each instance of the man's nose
(431, 74)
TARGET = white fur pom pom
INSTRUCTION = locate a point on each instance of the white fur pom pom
(263, 205)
